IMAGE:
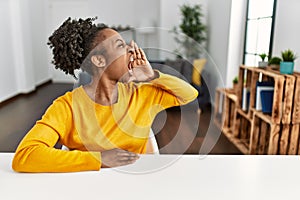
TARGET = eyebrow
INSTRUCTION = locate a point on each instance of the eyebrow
(119, 40)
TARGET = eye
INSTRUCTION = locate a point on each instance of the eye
(121, 45)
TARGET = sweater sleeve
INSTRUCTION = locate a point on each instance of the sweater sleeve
(172, 91)
(36, 152)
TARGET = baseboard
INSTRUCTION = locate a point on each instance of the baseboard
(13, 97)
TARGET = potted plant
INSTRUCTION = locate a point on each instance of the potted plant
(191, 33)
(274, 62)
(263, 63)
(287, 63)
(235, 84)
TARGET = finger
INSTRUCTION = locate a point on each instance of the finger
(143, 55)
(124, 158)
(134, 50)
(126, 153)
(122, 163)
(132, 44)
(137, 51)
(143, 62)
(126, 162)
(138, 61)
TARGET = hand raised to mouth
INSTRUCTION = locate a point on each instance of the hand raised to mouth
(140, 69)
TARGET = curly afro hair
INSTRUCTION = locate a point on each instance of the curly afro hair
(72, 42)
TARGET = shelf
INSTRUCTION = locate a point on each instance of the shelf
(267, 118)
(296, 101)
(255, 132)
(244, 113)
(242, 145)
(253, 75)
(225, 106)
(294, 145)
(264, 137)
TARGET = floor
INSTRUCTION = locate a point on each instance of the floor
(177, 130)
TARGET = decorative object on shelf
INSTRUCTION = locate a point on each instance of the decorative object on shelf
(263, 63)
(262, 100)
(287, 64)
(274, 62)
(267, 100)
(246, 98)
(235, 84)
(192, 32)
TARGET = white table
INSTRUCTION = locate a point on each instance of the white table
(174, 177)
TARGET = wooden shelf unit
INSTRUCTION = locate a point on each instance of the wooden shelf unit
(225, 105)
(296, 101)
(242, 129)
(252, 131)
(252, 75)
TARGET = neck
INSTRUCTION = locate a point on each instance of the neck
(102, 90)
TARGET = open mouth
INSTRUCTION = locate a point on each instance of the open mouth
(130, 62)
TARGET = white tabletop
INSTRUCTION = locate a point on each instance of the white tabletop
(163, 177)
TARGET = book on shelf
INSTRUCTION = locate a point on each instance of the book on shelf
(262, 86)
(246, 98)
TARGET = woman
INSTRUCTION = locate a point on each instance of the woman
(105, 123)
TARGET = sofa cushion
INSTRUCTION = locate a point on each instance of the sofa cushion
(198, 66)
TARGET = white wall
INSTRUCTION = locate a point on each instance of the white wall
(218, 21)
(22, 44)
(37, 17)
(236, 39)
(170, 16)
(25, 57)
(140, 14)
(8, 82)
(22, 50)
(287, 29)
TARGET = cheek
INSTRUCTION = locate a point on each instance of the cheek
(115, 56)
(122, 61)
(119, 66)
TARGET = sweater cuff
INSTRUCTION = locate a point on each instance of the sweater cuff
(93, 160)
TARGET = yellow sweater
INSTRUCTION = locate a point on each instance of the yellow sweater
(87, 128)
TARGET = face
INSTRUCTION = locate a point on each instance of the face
(116, 53)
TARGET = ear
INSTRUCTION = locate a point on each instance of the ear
(98, 60)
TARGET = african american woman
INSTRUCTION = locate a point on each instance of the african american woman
(105, 123)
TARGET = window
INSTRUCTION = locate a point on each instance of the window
(259, 30)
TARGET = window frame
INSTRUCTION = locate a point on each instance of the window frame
(273, 17)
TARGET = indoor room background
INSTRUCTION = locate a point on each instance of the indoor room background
(27, 24)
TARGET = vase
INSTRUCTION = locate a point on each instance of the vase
(267, 100)
(275, 66)
(286, 67)
(262, 64)
(235, 88)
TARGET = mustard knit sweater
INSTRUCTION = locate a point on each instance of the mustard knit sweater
(87, 128)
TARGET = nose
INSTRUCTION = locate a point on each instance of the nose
(130, 49)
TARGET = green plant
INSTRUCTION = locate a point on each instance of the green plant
(275, 61)
(192, 32)
(263, 56)
(235, 80)
(288, 55)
